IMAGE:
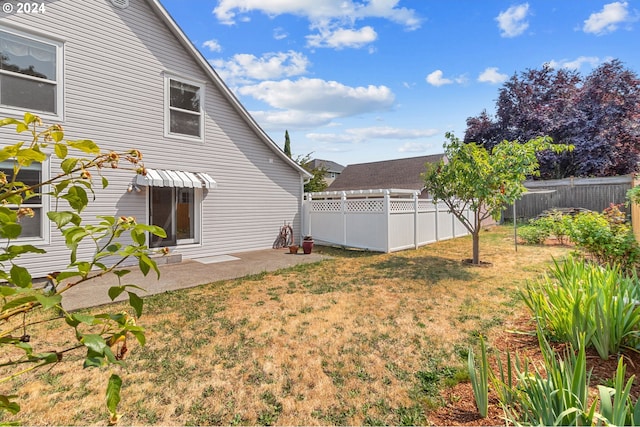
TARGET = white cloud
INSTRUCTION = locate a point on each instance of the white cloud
(607, 20)
(491, 75)
(359, 135)
(308, 103)
(512, 22)
(212, 45)
(577, 63)
(342, 38)
(320, 11)
(437, 78)
(247, 68)
(321, 96)
(414, 147)
(279, 33)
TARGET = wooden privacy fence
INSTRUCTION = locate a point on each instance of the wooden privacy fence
(594, 194)
(378, 220)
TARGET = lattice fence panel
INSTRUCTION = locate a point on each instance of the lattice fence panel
(402, 206)
(365, 206)
(326, 206)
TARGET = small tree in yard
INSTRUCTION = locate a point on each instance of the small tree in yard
(103, 336)
(471, 177)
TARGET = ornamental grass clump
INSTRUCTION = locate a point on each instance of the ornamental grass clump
(556, 395)
(580, 298)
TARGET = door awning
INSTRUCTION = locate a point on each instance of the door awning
(172, 178)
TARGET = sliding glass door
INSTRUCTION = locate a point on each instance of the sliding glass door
(174, 210)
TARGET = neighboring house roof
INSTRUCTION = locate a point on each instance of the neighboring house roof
(184, 40)
(399, 173)
(327, 164)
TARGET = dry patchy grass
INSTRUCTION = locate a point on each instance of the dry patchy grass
(363, 338)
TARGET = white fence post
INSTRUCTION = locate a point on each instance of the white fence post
(343, 210)
(387, 215)
(415, 221)
(436, 221)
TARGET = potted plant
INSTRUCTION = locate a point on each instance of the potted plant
(307, 244)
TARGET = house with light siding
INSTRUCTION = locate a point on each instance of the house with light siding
(123, 74)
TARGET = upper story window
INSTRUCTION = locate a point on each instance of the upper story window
(183, 108)
(30, 74)
(32, 227)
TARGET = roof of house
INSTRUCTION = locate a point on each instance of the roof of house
(399, 173)
(224, 89)
(327, 164)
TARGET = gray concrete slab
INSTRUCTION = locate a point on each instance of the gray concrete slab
(186, 274)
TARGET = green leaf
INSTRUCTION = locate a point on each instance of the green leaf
(94, 342)
(20, 276)
(115, 291)
(138, 332)
(7, 405)
(87, 319)
(154, 229)
(143, 264)
(18, 302)
(49, 301)
(61, 150)
(15, 250)
(57, 136)
(27, 156)
(113, 396)
(136, 302)
(138, 236)
(77, 198)
(29, 118)
(21, 127)
(68, 165)
(121, 273)
(10, 230)
(6, 291)
(63, 218)
(85, 145)
(105, 182)
(45, 358)
(8, 121)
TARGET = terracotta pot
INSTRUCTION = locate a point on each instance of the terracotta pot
(307, 246)
(293, 249)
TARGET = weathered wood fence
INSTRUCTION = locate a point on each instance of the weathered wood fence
(594, 194)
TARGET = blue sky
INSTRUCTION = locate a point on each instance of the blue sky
(356, 81)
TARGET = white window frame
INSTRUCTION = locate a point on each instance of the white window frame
(59, 82)
(167, 107)
(44, 206)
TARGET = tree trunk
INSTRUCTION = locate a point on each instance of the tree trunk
(476, 246)
(476, 237)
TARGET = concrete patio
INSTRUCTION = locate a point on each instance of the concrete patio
(186, 274)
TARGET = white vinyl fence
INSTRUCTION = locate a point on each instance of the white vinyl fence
(378, 220)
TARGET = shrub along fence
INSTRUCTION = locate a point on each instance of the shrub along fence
(594, 194)
(378, 220)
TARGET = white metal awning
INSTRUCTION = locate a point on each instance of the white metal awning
(173, 178)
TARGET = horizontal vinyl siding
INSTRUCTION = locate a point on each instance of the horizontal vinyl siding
(115, 65)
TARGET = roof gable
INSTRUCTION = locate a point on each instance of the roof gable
(399, 173)
(327, 164)
(219, 83)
